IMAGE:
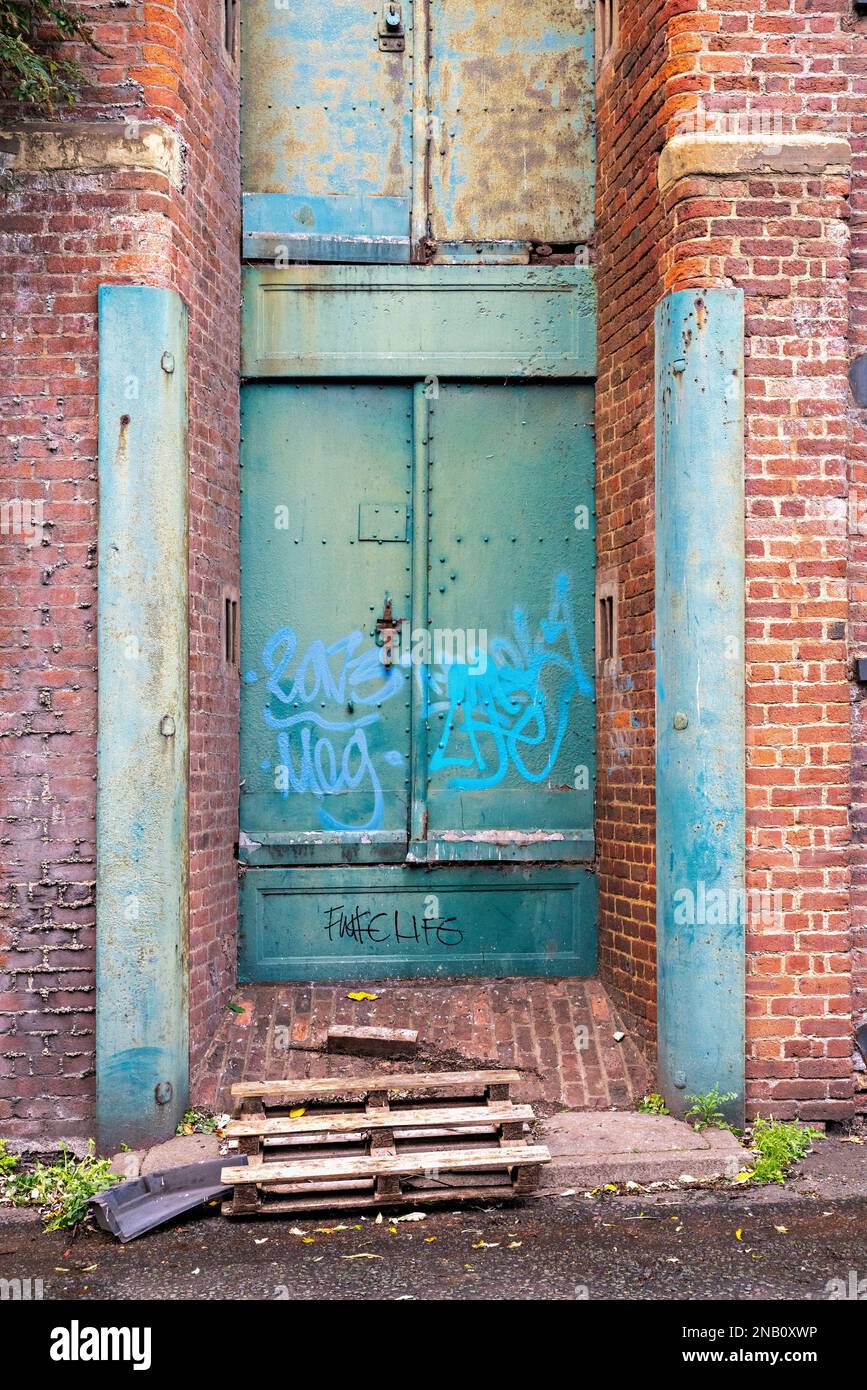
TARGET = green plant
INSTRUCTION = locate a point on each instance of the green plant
(780, 1144)
(198, 1122)
(7, 1160)
(652, 1104)
(31, 70)
(705, 1113)
(63, 1189)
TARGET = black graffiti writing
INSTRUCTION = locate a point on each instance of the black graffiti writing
(365, 928)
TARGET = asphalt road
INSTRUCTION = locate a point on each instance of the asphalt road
(553, 1248)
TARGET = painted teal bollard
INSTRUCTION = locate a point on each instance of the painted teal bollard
(141, 891)
(701, 902)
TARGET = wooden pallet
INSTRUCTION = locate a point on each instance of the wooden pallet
(380, 1140)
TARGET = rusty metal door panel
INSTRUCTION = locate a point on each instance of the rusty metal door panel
(325, 557)
(511, 554)
(467, 141)
(511, 102)
(326, 141)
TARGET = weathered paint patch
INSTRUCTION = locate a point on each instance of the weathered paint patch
(141, 890)
(700, 694)
(325, 112)
(391, 321)
(511, 98)
(291, 227)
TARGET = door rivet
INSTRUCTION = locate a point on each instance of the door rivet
(167, 362)
(680, 720)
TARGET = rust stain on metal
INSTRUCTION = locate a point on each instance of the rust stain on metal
(513, 145)
(332, 113)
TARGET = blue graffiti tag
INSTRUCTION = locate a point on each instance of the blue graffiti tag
(519, 703)
(337, 674)
(493, 719)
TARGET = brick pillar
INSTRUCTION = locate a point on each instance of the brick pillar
(137, 185)
(782, 235)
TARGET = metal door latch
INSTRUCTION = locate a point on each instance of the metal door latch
(391, 32)
(386, 627)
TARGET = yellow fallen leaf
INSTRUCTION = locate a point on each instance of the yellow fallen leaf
(514, 1245)
(359, 994)
(783, 1230)
(739, 1235)
(308, 1240)
(485, 1244)
(296, 1114)
(429, 1239)
(60, 1269)
(392, 1230)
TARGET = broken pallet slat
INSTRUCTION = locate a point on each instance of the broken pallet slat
(381, 1165)
(319, 1201)
(457, 1083)
(492, 1115)
(352, 1039)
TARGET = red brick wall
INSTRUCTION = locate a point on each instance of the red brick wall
(629, 227)
(854, 104)
(61, 235)
(785, 240)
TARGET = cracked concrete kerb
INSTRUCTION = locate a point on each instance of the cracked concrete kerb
(174, 1153)
(588, 1148)
(591, 1147)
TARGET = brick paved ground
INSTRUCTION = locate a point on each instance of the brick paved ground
(559, 1033)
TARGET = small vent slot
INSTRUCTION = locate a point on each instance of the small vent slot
(230, 631)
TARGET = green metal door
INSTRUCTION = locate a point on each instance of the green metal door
(417, 673)
(417, 523)
(511, 749)
(326, 545)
